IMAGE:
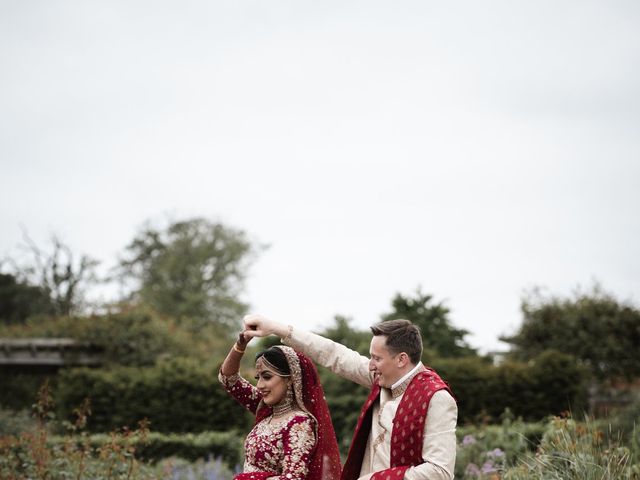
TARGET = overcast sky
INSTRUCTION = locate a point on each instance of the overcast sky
(475, 149)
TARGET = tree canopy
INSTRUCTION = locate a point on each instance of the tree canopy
(192, 269)
(342, 332)
(594, 327)
(438, 335)
(19, 300)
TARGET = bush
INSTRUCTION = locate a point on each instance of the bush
(32, 454)
(575, 451)
(154, 447)
(135, 336)
(549, 385)
(15, 422)
(19, 389)
(179, 395)
(124, 453)
(488, 449)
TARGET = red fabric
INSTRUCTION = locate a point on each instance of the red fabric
(253, 476)
(325, 461)
(394, 473)
(408, 428)
(352, 466)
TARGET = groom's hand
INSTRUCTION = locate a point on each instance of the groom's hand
(259, 326)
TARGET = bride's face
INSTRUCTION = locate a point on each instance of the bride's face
(271, 386)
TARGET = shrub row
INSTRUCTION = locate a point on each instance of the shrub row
(551, 384)
(157, 446)
(178, 395)
(182, 395)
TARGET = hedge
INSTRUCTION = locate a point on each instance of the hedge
(175, 396)
(158, 446)
(181, 395)
(551, 384)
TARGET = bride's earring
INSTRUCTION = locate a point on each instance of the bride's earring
(290, 393)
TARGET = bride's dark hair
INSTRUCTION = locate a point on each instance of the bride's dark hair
(275, 357)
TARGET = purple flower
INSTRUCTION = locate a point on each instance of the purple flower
(495, 453)
(488, 467)
(468, 440)
(472, 470)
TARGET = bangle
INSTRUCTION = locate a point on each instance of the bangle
(239, 350)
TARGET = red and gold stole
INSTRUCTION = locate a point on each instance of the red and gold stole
(407, 432)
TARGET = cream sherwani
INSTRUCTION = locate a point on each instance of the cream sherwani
(439, 444)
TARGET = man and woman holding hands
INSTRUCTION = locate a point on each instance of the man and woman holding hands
(406, 429)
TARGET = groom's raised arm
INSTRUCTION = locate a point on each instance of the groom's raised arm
(339, 359)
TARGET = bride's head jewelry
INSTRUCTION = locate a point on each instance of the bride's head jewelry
(263, 363)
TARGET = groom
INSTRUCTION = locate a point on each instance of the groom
(406, 429)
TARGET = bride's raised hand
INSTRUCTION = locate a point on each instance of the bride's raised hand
(243, 340)
(260, 326)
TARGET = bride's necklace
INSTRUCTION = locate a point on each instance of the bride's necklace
(282, 408)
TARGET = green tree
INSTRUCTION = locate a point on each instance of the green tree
(342, 332)
(193, 269)
(439, 336)
(594, 327)
(19, 300)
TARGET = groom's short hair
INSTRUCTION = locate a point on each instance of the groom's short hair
(402, 336)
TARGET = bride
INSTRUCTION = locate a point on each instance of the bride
(293, 438)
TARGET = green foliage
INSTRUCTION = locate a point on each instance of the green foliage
(556, 448)
(626, 421)
(134, 336)
(485, 450)
(550, 384)
(571, 450)
(192, 269)
(179, 395)
(15, 422)
(19, 300)
(32, 455)
(32, 452)
(342, 332)
(18, 389)
(155, 446)
(438, 335)
(594, 327)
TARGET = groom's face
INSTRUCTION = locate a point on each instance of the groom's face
(383, 363)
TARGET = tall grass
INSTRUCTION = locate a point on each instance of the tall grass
(572, 450)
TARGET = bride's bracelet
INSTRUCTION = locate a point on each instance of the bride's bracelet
(239, 350)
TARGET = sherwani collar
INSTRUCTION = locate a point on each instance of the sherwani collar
(398, 388)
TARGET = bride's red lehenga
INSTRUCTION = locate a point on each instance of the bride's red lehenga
(303, 446)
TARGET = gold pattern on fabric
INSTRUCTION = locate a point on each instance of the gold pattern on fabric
(280, 448)
(400, 389)
(302, 439)
(228, 380)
